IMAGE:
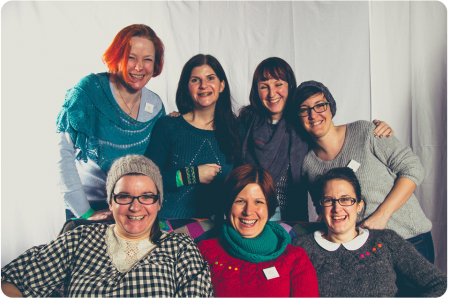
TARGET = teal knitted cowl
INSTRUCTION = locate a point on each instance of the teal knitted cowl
(271, 242)
(98, 126)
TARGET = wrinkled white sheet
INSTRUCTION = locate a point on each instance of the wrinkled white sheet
(379, 59)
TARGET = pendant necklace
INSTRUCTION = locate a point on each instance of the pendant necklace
(137, 97)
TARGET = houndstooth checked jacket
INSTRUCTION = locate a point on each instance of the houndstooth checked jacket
(78, 260)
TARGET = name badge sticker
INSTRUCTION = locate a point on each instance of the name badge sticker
(149, 107)
(354, 165)
(271, 273)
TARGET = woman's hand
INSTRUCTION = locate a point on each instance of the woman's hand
(376, 221)
(174, 114)
(104, 214)
(382, 130)
(11, 290)
(208, 172)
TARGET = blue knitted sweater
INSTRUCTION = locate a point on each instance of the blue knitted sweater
(176, 144)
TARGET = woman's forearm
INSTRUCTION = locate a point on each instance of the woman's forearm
(400, 193)
(11, 290)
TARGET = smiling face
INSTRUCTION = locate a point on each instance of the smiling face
(249, 213)
(204, 86)
(317, 124)
(340, 220)
(141, 63)
(273, 94)
(134, 221)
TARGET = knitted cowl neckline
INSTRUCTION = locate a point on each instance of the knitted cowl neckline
(270, 244)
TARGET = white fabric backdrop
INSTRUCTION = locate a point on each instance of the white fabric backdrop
(352, 47)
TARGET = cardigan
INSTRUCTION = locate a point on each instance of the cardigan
(176, 144)
(83, 183)
(382, 161)
(371, 269)
(79, 261)
(233, 277)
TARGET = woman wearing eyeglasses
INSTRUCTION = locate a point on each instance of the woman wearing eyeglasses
(271, 141)
(132, 258)
(387, 170)
(351, 261)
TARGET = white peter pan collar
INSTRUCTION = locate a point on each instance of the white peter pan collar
(352, 245)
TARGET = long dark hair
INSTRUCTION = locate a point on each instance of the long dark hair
(270, 68)
(226, 124)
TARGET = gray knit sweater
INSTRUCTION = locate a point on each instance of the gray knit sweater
(345, 273)
(382, 161)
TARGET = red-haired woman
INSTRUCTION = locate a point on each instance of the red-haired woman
(106, 116)
(272, 142)
(253, 256)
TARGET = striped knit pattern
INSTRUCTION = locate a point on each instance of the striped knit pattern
(382, 161)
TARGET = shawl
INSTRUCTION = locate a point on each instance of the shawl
(268, 245)
(274, 148)
(98, 126)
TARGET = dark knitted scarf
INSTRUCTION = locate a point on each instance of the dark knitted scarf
(271, 242)
(274, 147)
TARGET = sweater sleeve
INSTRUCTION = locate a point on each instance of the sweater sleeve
(430, 281)
(303, 277)
(193, 275)
(158, 151)
(42, 270)
(69, 180)
(397, 157)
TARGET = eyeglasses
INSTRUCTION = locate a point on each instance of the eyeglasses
(318, 108)
(342, 201)
(124, 199)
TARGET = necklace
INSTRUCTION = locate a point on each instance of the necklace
(137, 97)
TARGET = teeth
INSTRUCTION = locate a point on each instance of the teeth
(137, 76)
(247, 222)
(316, 123)
(204, 94)
(274, 101)
(339, 218)
(135, 218)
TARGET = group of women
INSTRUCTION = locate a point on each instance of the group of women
(208, 163)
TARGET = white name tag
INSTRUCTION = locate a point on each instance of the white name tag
(271, 273)
(354, 165)
(149, 107)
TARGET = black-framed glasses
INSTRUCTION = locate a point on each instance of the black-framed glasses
(124, 199)
(342, 201)
(318, 108)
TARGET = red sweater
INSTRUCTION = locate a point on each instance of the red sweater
(233, 277)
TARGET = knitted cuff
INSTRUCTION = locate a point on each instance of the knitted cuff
(190, 175)
(179, 180)
(87, 214)
(197, 176)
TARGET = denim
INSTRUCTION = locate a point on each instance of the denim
(424, 245)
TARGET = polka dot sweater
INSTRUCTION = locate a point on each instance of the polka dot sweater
(233, 277)
(371, 270)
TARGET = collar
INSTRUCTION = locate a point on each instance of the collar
(352, 245)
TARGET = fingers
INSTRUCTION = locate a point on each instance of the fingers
(208, 172)
(174, 114)
(382, 130)
(214, 165)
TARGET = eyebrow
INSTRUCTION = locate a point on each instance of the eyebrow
(213, 74)
(317, 102)
(150, 55)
